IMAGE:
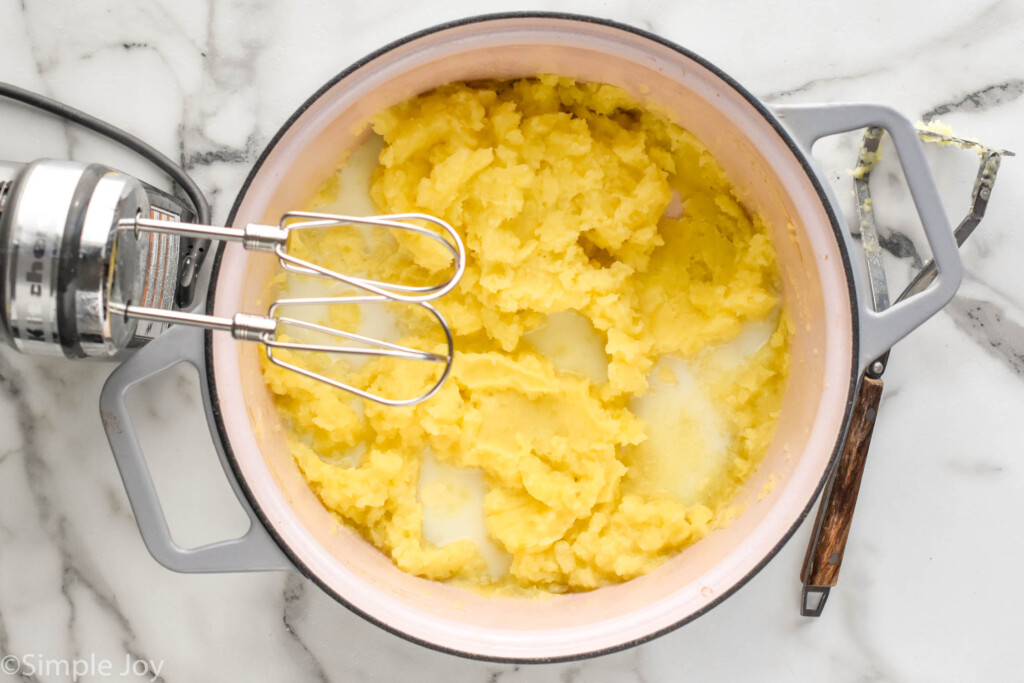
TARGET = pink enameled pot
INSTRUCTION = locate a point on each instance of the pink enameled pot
(764, 150)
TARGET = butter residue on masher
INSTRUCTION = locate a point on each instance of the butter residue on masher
(619, 367)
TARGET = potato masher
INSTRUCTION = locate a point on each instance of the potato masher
(827, 544)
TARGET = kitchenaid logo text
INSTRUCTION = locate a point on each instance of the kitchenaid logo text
(36, 665)
(35, 309)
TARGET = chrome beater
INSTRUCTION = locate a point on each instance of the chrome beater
(267, 329)
(274, 238)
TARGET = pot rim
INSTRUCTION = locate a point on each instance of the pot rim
(213, 403)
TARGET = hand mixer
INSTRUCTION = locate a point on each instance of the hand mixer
(87, 252)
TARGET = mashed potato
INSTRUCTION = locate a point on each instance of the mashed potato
(621, 345)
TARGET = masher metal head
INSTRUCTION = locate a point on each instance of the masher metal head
(279, 332)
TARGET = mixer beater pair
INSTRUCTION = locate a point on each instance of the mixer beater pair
(271, 329)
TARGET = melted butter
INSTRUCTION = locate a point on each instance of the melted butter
(754, 335)
(353, 190)
(300, 286)
(350, 196)
(675, 207)
(351, 458)
(571, 343)
(453, 509)
(687, 444)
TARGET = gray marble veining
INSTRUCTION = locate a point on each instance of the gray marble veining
(930, 566)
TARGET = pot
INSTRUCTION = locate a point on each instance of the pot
(765, 151)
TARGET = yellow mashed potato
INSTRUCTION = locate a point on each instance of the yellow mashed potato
(606, 401)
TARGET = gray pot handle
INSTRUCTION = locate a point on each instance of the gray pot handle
(879, 330)
(256, 550)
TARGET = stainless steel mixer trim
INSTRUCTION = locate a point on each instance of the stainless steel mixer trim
(5, 189)
(64, 260)
(30, 302)
(97, 268)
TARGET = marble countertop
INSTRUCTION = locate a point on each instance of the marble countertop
(929, 589)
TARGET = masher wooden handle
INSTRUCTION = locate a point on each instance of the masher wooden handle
(821, 565)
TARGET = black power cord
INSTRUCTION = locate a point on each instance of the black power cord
(195, 196)
(194, 250)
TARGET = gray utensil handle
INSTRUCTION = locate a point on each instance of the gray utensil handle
(879, 330)
(254, 551)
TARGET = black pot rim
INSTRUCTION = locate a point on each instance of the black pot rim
(211, 384)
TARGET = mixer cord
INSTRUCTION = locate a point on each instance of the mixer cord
(195, 196)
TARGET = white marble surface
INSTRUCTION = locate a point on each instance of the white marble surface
(930, 588)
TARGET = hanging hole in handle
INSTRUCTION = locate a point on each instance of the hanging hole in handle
(168, 415)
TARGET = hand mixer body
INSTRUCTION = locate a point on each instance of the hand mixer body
(63, 260)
